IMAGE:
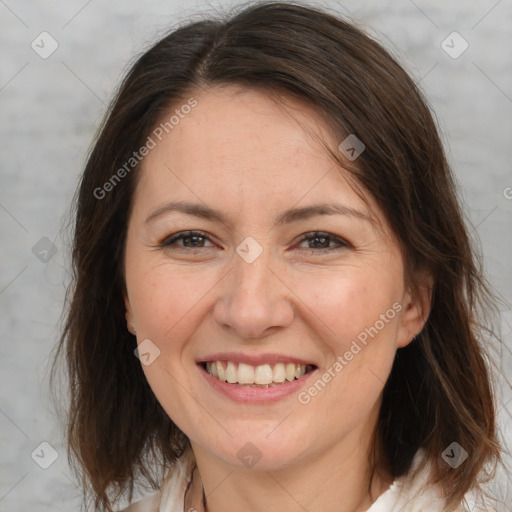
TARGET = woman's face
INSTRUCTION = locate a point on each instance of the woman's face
(252, 289)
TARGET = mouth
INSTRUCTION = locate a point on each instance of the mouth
(265, 375)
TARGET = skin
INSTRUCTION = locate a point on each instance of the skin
(240, 152)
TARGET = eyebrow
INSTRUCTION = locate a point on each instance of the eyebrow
(287, 217)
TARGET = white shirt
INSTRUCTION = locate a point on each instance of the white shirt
(403, 495)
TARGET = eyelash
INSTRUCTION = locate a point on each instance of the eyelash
(169, 241)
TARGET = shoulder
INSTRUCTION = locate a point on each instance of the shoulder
(408, 494)
(172, 490)
(417, 494)
(150, 503)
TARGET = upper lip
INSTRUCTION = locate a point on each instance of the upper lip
(253, 359)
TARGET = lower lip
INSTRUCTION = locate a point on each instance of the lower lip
(255, 395)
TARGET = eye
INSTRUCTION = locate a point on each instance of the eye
(190, 239)
(318, 241)
(321, 240)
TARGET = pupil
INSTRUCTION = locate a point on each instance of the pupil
(196, 241)
(193, 237)
(323, 238)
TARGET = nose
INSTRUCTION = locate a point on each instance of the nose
(253, 300)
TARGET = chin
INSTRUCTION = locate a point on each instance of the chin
(259, 452)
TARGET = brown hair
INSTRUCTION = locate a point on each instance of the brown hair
(439, 389)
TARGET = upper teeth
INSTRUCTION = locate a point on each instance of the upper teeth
(242, 373)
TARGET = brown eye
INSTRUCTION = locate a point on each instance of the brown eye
(320, 241)
(190, 240)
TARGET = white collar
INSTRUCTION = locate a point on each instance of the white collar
(404, 494)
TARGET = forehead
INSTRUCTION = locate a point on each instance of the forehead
(230, 126)
(243, 148)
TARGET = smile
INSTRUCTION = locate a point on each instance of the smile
(264, 375)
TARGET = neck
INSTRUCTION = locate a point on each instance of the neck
(339, 478)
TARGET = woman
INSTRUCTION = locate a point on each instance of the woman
(276, 305)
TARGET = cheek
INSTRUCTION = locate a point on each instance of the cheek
(357, 313)
(167, 305)
(348, 302)
(164, 300)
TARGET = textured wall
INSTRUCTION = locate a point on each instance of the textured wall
(50, 106)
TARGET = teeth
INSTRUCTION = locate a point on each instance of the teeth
(279, 374)
(264, 375)
(231, 375)
(290, 371)
(220, 371)
(245, 374)
(300, 369)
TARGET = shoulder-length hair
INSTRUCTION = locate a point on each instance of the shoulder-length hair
(439, 389)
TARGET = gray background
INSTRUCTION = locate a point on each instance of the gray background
(50, 109)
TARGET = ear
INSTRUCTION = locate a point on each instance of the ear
(416, 304)
(129, 315)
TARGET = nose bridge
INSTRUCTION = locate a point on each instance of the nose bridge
(251, 273)
(252, 287)
(253, 299)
